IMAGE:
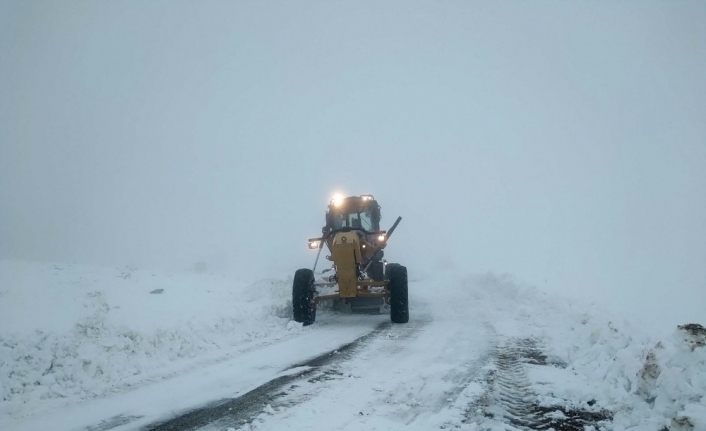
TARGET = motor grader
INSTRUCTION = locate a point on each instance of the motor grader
(359, 277)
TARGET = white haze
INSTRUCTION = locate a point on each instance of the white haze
(561, 142)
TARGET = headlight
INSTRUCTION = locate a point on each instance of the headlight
(381, 238)
(337, 200)
(314, 244)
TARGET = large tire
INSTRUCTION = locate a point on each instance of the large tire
(399, 302)
(376, 271)
(303, 303)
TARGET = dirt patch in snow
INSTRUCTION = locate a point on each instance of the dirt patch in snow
(694, 335)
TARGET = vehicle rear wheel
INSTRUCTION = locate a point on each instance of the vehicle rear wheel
(399, 302)
(303, 303)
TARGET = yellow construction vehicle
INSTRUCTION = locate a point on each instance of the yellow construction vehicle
(361, 278)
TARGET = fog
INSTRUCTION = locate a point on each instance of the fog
(563, 143)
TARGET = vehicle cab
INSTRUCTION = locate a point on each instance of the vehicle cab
(360, 214)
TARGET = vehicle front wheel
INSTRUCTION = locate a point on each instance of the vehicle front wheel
(303, 302)
(399, 302)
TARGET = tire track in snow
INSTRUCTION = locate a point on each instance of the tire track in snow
(460, 377)
(243, 409)
(510, 397)
(332, 375)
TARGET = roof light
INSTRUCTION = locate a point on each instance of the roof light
(337, 199)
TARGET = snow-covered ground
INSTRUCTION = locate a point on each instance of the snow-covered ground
(120, 348)
(71, 332)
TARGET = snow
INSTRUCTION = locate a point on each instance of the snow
(611, 358)
(606, 358)
(75, 332)
(83, 345)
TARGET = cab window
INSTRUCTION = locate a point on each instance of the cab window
(366, 221)
(353, 220)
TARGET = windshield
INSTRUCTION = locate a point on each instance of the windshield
(354, 220)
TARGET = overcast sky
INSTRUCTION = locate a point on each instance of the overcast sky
(561, 142)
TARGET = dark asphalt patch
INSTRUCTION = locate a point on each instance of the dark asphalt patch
(569, 419)
(113, 422)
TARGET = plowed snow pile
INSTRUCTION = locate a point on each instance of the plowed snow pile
(72, 332)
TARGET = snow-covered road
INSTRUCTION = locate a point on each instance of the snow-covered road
(445, 369)
(205, 383)
(479, 353)
(404, 377)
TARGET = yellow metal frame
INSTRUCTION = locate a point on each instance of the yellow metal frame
(361, 291)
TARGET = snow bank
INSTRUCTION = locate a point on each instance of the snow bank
(74, 332)
(649, 383)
